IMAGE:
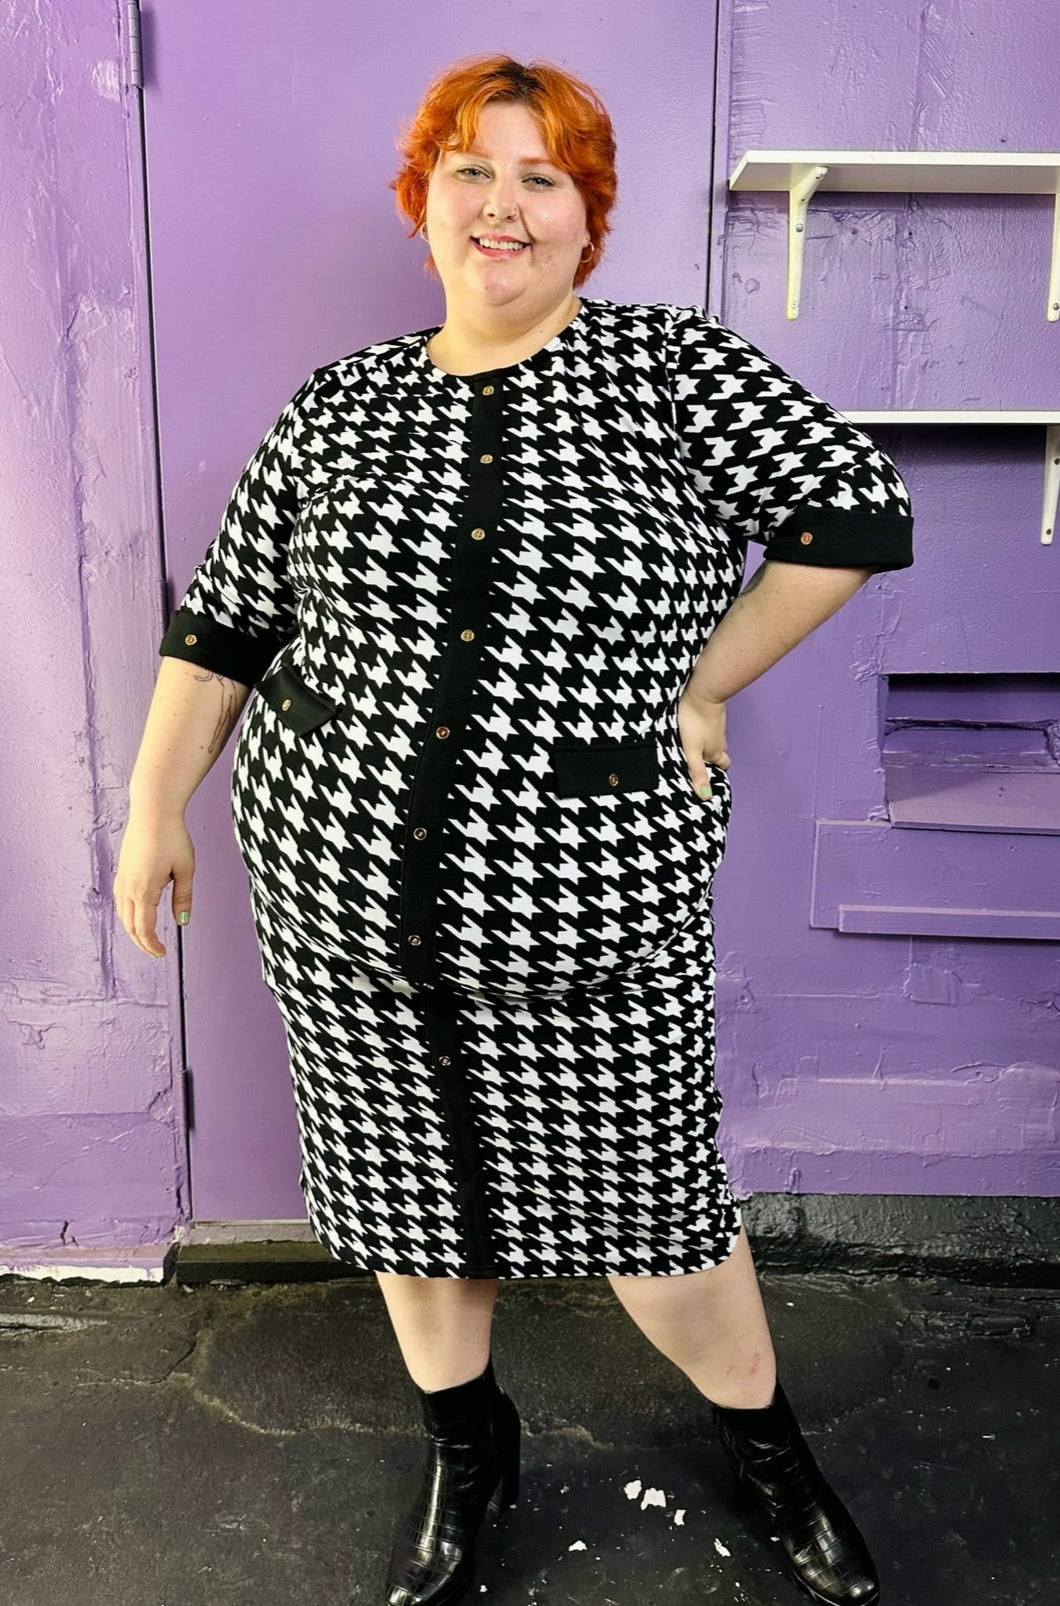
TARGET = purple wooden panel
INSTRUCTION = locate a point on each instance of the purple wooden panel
(962, 798)
(1014, 746)
(1023, 925)
(276, 247)
(973, 752)
(871, 877)
(1007, 698)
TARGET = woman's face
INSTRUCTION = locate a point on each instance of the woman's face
(505, 186)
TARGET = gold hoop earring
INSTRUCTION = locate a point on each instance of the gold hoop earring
(592, 253)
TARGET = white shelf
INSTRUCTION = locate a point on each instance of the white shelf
(1049, 416)
(934, 172)
(955, 415)
(802, 173)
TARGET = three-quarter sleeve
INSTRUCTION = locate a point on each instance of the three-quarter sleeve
(238, 609)
(775, 463)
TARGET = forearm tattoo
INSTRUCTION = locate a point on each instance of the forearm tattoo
(229, 710)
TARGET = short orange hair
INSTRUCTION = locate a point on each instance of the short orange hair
(574, 123)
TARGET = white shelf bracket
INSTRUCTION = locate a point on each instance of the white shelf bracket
(1052, 311)
(805, 177)
(1052, 482)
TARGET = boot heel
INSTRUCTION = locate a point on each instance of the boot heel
(510, 1487)
(507, 1433)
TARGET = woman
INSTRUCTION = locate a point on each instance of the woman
(482, 791)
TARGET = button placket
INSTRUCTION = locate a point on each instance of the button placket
(476, 520)
(421, 859)
(444, 1053)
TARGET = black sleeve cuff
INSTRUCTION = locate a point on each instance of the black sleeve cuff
(842, 538)
(198, 639)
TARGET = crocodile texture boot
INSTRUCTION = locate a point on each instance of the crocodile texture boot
(473, 1432)
(772, 1463)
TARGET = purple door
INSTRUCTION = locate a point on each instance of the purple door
(275, 247)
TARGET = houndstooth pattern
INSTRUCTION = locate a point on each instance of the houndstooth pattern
(497, 995)
(597, 1113)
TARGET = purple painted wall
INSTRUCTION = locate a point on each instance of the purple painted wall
(91, 1141)
(851, 1061)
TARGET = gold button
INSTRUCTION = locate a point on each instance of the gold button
(613, 779)
(443, 1059)
(443, 731)
(415, 941)
(467, 635)
(189, 641)
(805, 537)
(286, 703)
(487, 390)
(420, 832)
(477, 535)
(487, 457)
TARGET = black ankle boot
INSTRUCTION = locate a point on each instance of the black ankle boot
(825, 1553)
(472, 1466)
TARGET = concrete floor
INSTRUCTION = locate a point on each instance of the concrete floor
(190, 1446)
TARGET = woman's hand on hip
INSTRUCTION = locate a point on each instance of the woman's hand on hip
(155, 850)
(702, 727)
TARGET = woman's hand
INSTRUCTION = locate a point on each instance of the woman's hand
(154, 851)
(702, 727)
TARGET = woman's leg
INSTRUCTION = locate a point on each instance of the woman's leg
(712, 1324)
(443, 1325)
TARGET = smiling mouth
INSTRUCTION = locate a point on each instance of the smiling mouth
(514, 249)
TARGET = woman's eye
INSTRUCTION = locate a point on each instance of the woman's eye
(537, 178)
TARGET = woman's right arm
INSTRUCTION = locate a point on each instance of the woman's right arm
(191, 717)
(234, 616)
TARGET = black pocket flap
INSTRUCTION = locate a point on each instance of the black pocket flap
(299, 708)
(597, 767)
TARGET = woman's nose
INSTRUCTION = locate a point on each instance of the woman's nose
(501, 200)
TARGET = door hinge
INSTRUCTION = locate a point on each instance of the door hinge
(135, 46)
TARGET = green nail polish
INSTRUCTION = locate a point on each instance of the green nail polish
(703, 789)
(183, 917)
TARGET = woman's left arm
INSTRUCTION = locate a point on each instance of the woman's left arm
(782, 603)
(772, 462)
(779, 605)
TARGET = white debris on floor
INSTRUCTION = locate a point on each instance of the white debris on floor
(651, 1497)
